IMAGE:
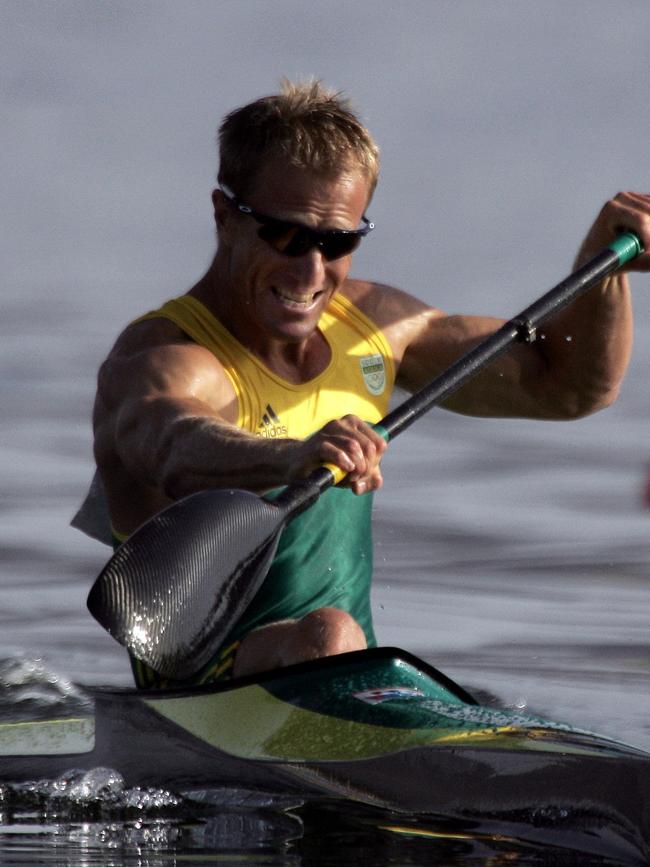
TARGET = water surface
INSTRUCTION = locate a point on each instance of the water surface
(513, 555)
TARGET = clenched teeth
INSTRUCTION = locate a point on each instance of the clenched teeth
(292, 298)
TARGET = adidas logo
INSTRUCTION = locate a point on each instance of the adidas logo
(271, 426)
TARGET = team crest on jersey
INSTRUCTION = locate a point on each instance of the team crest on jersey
(271, 427)
(374, 373)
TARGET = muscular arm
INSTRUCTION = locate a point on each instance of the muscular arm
(165, 412)
(164, 428)
(574, 368)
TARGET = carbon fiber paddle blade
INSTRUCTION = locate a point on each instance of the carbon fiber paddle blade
(174, 589)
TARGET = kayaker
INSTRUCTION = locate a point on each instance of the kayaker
(277, 361)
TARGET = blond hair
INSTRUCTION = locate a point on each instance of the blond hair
(308, 125)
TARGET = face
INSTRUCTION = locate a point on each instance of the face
(273, 296)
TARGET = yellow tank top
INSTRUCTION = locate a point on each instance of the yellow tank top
(358, 379)
(324, 556)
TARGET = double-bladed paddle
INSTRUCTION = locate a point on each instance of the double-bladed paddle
(175, 588)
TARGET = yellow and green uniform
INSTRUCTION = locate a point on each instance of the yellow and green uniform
(325, 554)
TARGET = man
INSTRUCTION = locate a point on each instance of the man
(276, 361)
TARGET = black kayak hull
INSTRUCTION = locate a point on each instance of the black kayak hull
(378, 727)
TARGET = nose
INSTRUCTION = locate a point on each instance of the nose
(308, 270)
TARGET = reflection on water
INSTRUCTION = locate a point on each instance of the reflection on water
(91, 817)
(197, 830)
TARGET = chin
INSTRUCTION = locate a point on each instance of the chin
(295, 329)
(294, 334)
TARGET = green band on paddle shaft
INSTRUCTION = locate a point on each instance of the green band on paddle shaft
(626, 247)
(381, 430)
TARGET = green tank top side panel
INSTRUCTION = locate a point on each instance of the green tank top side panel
(313, 569)
(338, 575)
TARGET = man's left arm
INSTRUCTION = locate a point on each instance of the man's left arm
(575, 366)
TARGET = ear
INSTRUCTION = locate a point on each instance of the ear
(222, 216)
(220, 205)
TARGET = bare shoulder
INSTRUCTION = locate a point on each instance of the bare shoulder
(139, 338)
(402, 317)
(156, 357)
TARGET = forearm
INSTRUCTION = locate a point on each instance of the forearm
(180, 450)
(206, 453)
(586, 349)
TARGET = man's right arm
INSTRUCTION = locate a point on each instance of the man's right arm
(164, 418)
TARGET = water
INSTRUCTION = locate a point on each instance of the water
(511, 554)
(269, 834)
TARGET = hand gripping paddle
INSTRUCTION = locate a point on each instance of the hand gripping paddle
(174, 589)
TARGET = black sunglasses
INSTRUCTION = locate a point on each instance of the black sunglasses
(295, 239)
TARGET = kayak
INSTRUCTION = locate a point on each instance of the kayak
(378, 727)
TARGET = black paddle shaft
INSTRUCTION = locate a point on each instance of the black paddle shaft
(520, 329)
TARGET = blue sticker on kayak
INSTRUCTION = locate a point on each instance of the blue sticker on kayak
(388, 693)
